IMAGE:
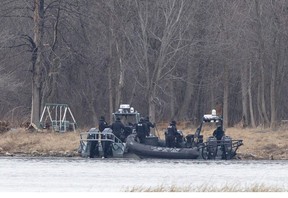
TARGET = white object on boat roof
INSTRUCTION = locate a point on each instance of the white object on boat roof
(213, 112)
(124, 106)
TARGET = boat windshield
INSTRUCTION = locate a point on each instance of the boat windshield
(128, 119)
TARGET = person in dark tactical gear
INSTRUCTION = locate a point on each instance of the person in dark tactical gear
(117, 128)
(179, 142)
(102, 124)
(148, 124)
(106, 145)
(171, 135)
(141, 130)
(93, 147)
(218, 133)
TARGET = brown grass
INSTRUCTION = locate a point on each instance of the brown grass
(258, 143)
(22, 141)
(207, 188)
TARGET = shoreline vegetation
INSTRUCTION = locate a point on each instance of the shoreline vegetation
(208, 188)
(259, 144)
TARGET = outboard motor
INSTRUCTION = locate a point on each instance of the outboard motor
(226, 147)
(212, 147)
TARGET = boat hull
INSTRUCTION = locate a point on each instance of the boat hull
(153, 151)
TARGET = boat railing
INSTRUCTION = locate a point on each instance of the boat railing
(98, 136)
(101, 137)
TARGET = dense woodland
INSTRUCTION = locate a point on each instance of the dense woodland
(169, 59)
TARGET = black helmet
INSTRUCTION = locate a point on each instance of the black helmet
(173, 122)
(141, 119)
(102, 118)
(147, 118)
(117, 118)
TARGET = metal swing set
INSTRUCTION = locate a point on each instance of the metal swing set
(54, 116)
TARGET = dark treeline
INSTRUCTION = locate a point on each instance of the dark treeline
(169, 59)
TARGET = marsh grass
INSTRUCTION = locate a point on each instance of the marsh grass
(207, 188)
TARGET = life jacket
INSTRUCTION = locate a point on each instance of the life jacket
(141, 128)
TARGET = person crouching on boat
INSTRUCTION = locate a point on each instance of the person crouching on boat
(141, 130)
(171, 135)
(117, 128)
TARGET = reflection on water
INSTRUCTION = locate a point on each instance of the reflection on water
(114, 175)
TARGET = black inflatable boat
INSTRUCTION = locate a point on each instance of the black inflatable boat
(155, 148)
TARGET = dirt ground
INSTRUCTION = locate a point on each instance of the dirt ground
(259, 144)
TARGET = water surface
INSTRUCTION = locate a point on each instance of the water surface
(20, 174)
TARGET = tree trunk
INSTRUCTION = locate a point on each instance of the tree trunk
(244, 91)
(225, 96)
(111, 107)
(120, 84)
(109, 67)
(250, 97)
(278, 42)
(189, 89)
(152, 113)
(272, 99)
(172, 100)
(37, 61)
(51, 89)
(261, 66)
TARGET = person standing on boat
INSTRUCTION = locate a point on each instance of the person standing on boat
(117, 128)
(102, 124)
(141, 130)
(148, 124)
(170, 136)
(218, 133)
(105, 144)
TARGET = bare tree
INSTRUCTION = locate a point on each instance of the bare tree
(37, 60)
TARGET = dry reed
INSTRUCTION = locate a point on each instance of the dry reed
(207, 188)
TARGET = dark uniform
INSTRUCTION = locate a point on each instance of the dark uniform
(105, 144)
(218, 133)
(171, 135)
(117, 128)
(102, 124)
(93, 152)
(141, 130)
(148, 124)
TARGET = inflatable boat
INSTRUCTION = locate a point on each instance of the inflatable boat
(94, 143)
(155, 148)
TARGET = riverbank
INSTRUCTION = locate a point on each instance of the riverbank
(259, 144)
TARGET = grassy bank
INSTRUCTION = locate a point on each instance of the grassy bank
(258, 143)
(48, 143)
